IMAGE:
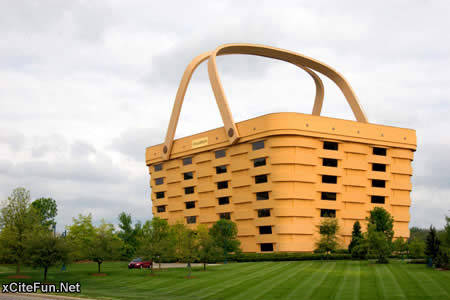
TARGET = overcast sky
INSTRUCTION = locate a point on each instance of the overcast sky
(85, 86)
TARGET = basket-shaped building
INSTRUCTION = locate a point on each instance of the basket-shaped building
(276, 176)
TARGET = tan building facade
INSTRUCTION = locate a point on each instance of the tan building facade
(280, 180)
(282, 175)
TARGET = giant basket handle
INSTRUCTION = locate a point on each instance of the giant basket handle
(285, 55)
(223, 107)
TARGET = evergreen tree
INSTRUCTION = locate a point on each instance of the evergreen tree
(356, 236)
(432, 244)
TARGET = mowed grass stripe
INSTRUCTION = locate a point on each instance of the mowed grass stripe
(415, 288)
(331, 283)
(325, 289)
(393, 289)
(214, 279)
(222, 274)
(286, 286)
(349, 286)
(241, 281)
(436, 277)
(263, 285)
(369, 284)
(311, 282)
(273, 290)
(199, 286)
(437, 284)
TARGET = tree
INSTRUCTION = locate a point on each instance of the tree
(155, 241)
(328, 241)
(380, 233)
(383, 222)
(416, 248)
(442, 258)
(81, 234)
(224, 235)
(400, 246)
(17, 220)
(104, 245)
(378, 244)
(361, 249)
(446, 235)
(356, 236)
(45, 250)
(208, 250)
(46, 210)
(186, 246)
(128, 235)
(418, 233)
(432, 244)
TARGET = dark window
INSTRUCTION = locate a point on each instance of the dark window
(187, 161)
(378, 183)
(159, 195)
(329, 162)
(158, 167)
(379, 167)
(259, 162)
(262, 196)
(191, 219)
(265, 212)
(222, 185)
(188, 175)
(258, 145)
(159, 181)
(377, 199)
(260, 179)
(190, 204)
(266, 247)
(328, 213)
(221, 169)
(161, 208)
(225, 216)
(265, 229)
(224, 200)
(329, 179)
(379, 151)
(220, 153)
(330, 146)
(189, 190)
(328, 196)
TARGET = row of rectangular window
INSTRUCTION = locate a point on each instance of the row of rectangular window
(218, 154)
(222, 200)
(193, 219)
(331, 162)
(332, 197)
(260, 145)
(219, 170)
(262, 161)
(335, 146)
(265, 212)
(262, 213)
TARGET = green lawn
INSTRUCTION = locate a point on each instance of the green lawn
(263, 280)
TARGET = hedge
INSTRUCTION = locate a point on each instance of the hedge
(281, 256)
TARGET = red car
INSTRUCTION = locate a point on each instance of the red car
(138, 263)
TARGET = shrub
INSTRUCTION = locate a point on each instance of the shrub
(441, 260)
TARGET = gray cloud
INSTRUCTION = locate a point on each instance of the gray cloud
(132, 142)
(81, 149)
(12, 138)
